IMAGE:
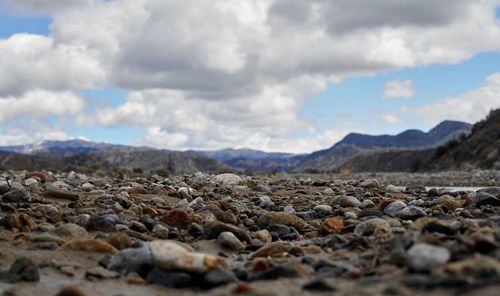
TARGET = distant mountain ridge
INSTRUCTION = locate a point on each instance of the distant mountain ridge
(478, 149)
(79, 153)
(355, 144)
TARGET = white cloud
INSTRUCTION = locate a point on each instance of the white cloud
(470, 106)
(24, 135)
(398, 89)
(37, 62)
(37, 104)
(218, 73)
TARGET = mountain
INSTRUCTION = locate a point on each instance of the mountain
(250, 160)
(357, 144)
(90, 157)
(478, 149)
(67, 148)
(250, 154)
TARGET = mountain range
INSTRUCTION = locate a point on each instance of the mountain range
(89, 156)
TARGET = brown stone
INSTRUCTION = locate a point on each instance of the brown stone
(120, 241)
(276, 249)
(73, 291)
(332, 225)
(449, 202)
(269, 218)
(177, 218)
(61, 193)
(90, 245)
(40, 175)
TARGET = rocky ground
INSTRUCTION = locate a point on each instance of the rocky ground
(71, 234)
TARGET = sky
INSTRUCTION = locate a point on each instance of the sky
(275, 75)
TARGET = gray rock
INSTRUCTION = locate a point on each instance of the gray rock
(265, 201)
(370, 184)
(229, 240)
(425, 257)
(484, 198)
(372, 226)
(393, 208)
(411, 213)
(16, 196)
(71, 230)
(348, 202)
(219, 277)
(227, 179)
(323, 210)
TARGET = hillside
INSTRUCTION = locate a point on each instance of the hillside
(156, 161)
(357, 144)
(478, 149)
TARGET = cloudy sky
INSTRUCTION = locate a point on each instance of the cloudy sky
(276, 75)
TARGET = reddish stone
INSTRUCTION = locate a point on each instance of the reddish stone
(177, 218)
(384, 204)
(40, 175)
(332, 225)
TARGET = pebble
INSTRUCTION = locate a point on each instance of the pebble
(22, 270)
(393, 208)
(90, 245)
(349, 202)
(425, 257)
(270, 218)
(449, 202)
(332, 225)
(373, 227)
(411, 213)
(228, 179)
(73, 291)
(16, 196)
(71, 230)
(56, 192)
(229, 240)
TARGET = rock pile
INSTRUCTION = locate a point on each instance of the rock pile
(229, 232)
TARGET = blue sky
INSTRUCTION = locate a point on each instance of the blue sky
(107, 92)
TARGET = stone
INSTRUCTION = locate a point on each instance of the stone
(331, 226)
(53, 191)
(45, 237)
(90, 245)
(120, 240)
(349, 202)
(370, 184)
(411, 213)
(318, 285)
(177, 218)
(101, 273)
(170, 279)
(219, 277)
(265, 201)
(160, 231)
(393, 208)
(71, 230)
(11, 221)
(373, 227)
(227, 179)
(44, 177)
(483, 198)
(323, 210)
(212, 230)
(16, 196)
(101, 223)
(73, 291)
(270, 218)
(276, 272)
(426, 257)
(272, 250)
(229, 240)
(449, 202)
(22, 270)
(172, 255)
(392, 189)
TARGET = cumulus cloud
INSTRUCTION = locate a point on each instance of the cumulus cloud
(470, 106)
(398, 89)
(37, 62)
(217, 73)
(38, 104)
